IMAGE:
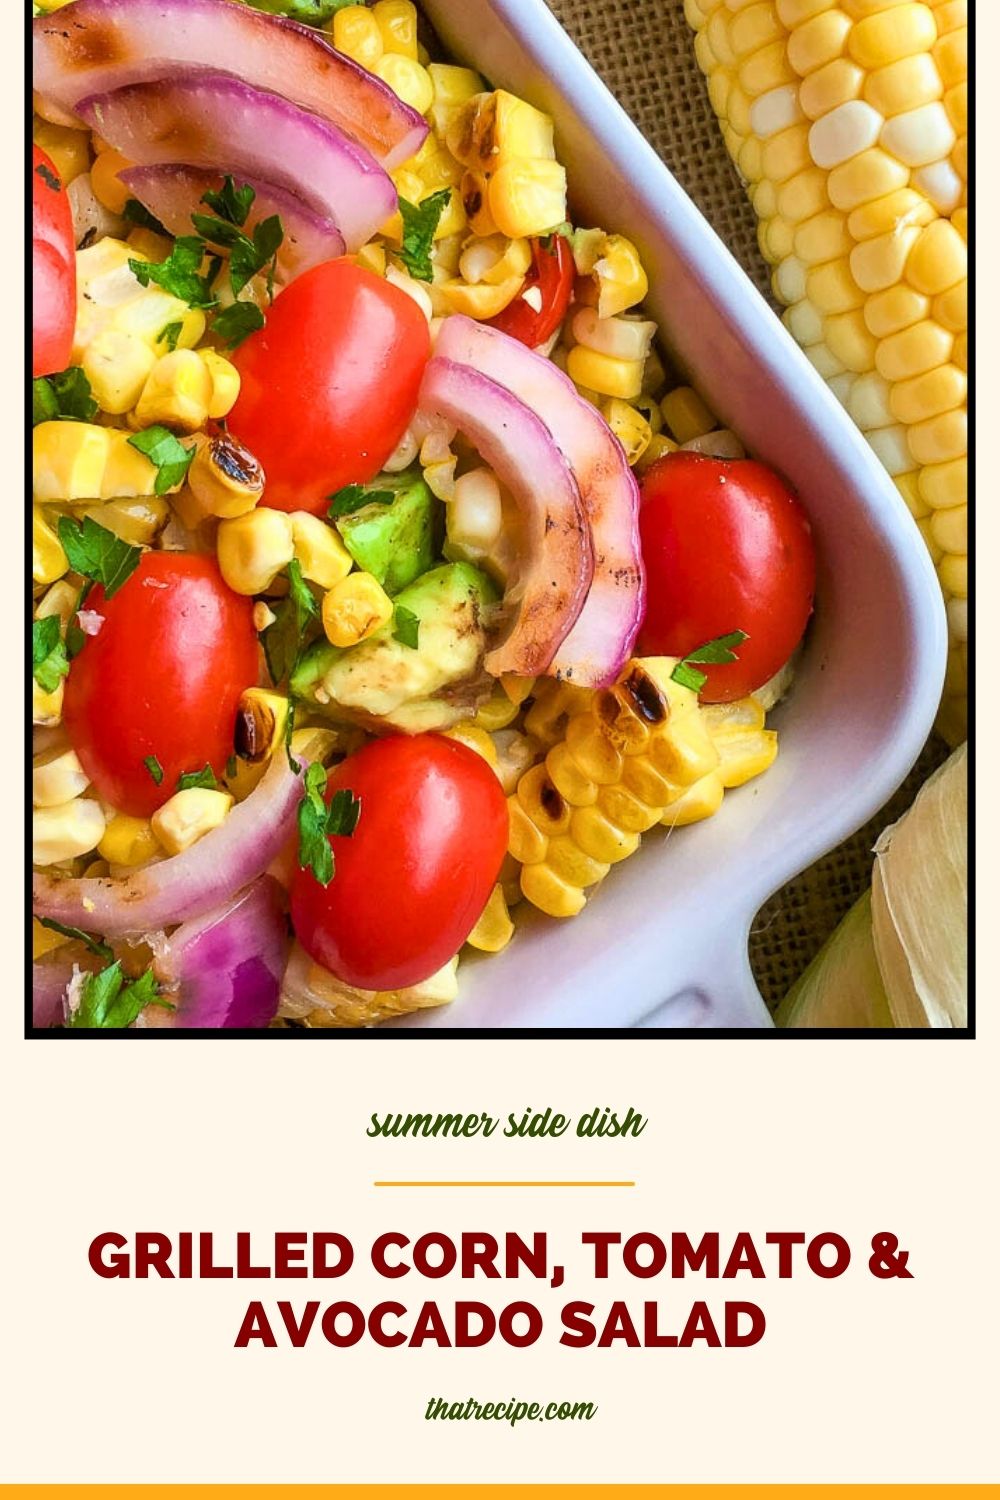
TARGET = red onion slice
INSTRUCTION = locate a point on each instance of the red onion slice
(557, 564)
(101, 45)
(223, 970)
(173, 193)
(601, 640)
(50, 978)
(211, 120)
(189, 884)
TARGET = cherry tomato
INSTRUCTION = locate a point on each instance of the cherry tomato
(552, 274)
(412, 880)
(162, 677)
(727, 547)
(53, 264)
(329, 385)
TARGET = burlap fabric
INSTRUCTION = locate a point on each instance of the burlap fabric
(643, 49)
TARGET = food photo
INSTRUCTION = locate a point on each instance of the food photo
(469, 592)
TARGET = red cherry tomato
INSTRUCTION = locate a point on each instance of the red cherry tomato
(552, 274)
(411, 882)
(53, 263)
(727, 547)
(162, 677)
(329, 385)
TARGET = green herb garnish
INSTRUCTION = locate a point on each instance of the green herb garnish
(406, 627)
(247, 255)
(49, 663)
(75, 638)
(310, 12)
(98, 554)
(154, 768)
(64, 397)
(721, 649)
(77, 933)
(166, 453)
(180, 274)
(169, 334)
(282, 640)
(138, 213)
(355, 497)
(230, 202)
(318, 823)
(203, 778)
(107, 1003)
(294, 766)
(420, 220)
(238, 322)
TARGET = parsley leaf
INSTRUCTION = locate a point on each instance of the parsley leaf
(169, 334)
(180, 274)
(721, 649)
(101, 949)
(419, 223)
(406, 627)
(166, 453)
(202, 778)
(138, 213)
(75, 638)
(107, 1003)
(237, 323)
(66, 396)
(154, 768)
(246, 256)
(230, 202)
(49, 663)
(293, 765)
(319, 823)
(97, 553)
(354, 496)
(282, 640)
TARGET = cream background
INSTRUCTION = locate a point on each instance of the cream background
(855, 1379)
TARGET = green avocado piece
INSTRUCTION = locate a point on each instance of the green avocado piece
(395, 542)
(382, 682)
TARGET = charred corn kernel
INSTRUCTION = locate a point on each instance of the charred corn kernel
(658, 447)
(68, 149)
(619, 337)
(603, 373)
(261, 717)
(128, 841)
(224, 479)
(354, 609)
(56, 778)
(494, 259)
(494, 929)
(453, 87)
(629, 426)
(107, 185)
(134, 520)
(397, 22)
(569, 777)
(480, 301)
(548, 891)
(491, 130)
(178, 392)
(254, 548)
(48, 560)
(527, 196)
(188, 816)
(407, 79)
(117, 366)
(66, 831)
(357, 33)
(475, 192)
(686, 414)
(225, 382)
(46, 708)
(319, 550)
(59, 600)
(474, 737)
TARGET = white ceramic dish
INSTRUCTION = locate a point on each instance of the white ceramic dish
(664, 941)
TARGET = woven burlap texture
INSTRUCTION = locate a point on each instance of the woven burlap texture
(643, 49)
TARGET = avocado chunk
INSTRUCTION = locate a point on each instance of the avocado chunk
(382, 682)
(394, 542)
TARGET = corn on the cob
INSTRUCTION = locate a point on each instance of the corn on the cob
(313, 995)
(848, 121)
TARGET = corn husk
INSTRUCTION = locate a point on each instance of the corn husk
(899, 958)
(919, 903)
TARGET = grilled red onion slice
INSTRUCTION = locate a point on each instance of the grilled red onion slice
(189, 884)
(557, 565)
(173, 193)
(101, 45)
(224, 969)
(208, 119)
(50, 978)
(601, 640)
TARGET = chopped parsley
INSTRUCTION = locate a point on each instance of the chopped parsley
(66, 397)
(49, 662)
(230, 202)
(97, 553)
(75, 638)
(282, 640)
(247, 255)
(721, 649)
(154, 768)
(354, 497)
(420, 220)
(138, 213)
(166, 453)
(169, 334)
(77, 933)
(203, 778)
(293, 765)
(238, 322)
(406, 627)
(319, 823)
(181, 274)
(107, 1003)
(49, 177)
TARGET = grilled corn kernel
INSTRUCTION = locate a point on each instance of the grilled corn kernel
(475, 191)
(69, 149)
(494, 929)
(254, 548)
(319, 550)
(493, 259)
(354, 609)
(407, 79)
(136, 521)
(260, 724)
(107, 185)
(490, 130)
(518, 689)
(66, 831)
(224, 479)
(603, 373)
(621, 281)
(225, 382)
(528, 197)
(480, 301)
(357, 34)
(629, 426)
(178, 392)
(117, 366)
(48, 560)
(548, 891)
(453, 87)
(188, 816)
(69, 460)
(128, 841)
(56, 778)
(397, 22)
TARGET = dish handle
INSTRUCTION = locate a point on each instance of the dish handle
(722, 993)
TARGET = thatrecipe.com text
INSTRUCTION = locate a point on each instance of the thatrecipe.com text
(659, 1323)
